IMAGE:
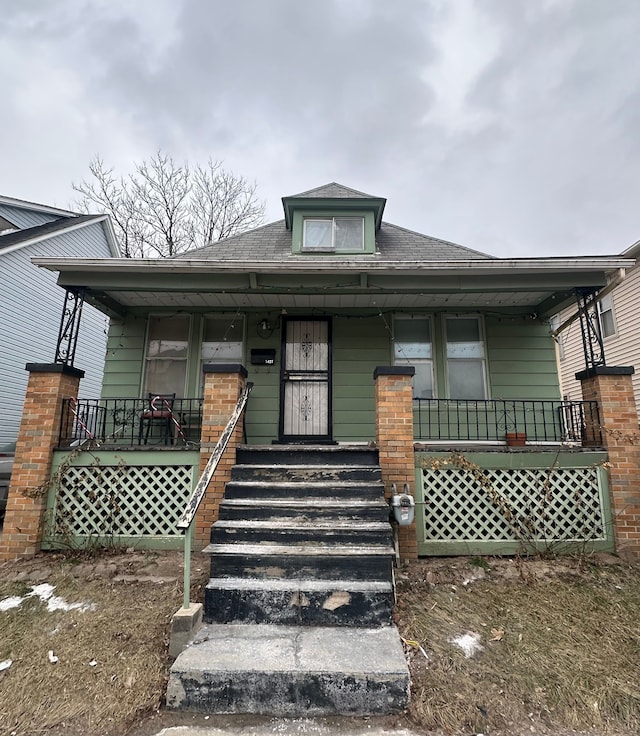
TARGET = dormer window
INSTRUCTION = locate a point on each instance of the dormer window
(339, 234)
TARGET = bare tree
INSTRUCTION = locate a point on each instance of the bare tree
(165, 208)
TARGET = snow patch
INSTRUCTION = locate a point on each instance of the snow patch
(469, 643)
(44, 591)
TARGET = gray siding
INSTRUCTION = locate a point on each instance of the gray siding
(30, 310)
(24, 219)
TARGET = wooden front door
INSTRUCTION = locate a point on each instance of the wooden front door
(305, 393)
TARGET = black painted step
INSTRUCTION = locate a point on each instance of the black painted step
(301, 562)
(305, 473)
(308, 509)
(299, 602)
(249, 531)
(278, 489)
(305, 455)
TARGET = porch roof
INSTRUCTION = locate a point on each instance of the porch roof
(538, 285)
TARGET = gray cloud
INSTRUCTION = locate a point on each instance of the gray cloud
(509, 127)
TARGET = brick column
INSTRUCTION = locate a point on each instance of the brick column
(48, 386)
(394, 435)
(611, 387)
(223, 385)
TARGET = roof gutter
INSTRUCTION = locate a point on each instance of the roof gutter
(304, 265)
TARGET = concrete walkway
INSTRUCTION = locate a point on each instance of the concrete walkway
(288, 727)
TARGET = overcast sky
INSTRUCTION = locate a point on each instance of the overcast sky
(509, 126)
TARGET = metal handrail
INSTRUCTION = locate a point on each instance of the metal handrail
(185, 522)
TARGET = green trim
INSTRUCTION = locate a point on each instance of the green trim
(497, 548)
(521, 460)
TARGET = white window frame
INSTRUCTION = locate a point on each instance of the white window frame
(332, 246)
(605, 306)
(482, 360)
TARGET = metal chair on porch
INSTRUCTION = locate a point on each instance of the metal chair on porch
(160, 414)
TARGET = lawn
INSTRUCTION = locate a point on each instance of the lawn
(495, 645)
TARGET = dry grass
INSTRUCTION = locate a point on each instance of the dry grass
(561, 646)
(125, 635)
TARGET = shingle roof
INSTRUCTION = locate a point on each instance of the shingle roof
(332, 190)
(39, 231)
(273, 243)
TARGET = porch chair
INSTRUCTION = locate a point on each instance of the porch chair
(158, 413)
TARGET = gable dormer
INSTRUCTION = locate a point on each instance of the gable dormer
(333, 219)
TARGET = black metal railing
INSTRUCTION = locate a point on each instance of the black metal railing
(153, 421)
(506, 420)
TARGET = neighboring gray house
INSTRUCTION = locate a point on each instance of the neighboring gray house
(31, 304)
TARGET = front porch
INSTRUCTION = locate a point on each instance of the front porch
(115, 480)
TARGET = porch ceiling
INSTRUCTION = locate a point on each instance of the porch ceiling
(543, 285)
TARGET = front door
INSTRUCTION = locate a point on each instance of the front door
(305, 394)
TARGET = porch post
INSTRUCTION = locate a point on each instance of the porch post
(223, 385)
(49, 384)
(611, 387)
(394, 436)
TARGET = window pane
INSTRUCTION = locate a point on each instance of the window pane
(464, 339)
(318, 233)
(166, 376)
(423, 378)
(348, 233)
(608, 324)
(412, 338)
(222, 341)
(168, 337)
(463, 330)
(466, 379)
(607, 320)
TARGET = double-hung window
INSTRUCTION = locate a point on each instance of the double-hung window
(466, 369)
(412, 345)
(166, 358)
(339, 234)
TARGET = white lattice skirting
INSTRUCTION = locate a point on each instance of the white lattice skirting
(120, 500)
(536, 505)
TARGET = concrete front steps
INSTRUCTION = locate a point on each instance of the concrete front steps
(298, 608)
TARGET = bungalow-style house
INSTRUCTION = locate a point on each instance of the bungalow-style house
(32, 304)
(618, 330)
(354, 333)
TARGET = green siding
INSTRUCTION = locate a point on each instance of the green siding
(520, 358)
(124, 359)
(359, 345)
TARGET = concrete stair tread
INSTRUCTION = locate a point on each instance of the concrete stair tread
(291, 670)
(354, 485)
(301, 549)
(295, 585)
(306, 502)
(333, 524)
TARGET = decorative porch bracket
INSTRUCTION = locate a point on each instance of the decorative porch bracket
(590, 326)
(69, 327)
